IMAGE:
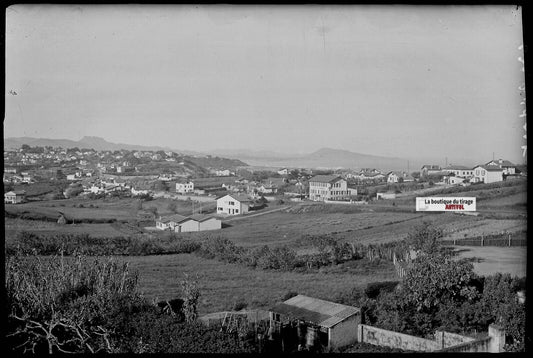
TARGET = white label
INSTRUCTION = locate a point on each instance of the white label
(432, 203)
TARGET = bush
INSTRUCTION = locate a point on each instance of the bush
(92, 306)
(288, 295)
(374, 289)
(71, 244)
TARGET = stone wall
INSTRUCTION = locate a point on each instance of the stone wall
(494, 343)
(447, 339)
(384, 338)
(444, 341)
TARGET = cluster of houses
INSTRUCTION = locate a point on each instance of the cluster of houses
(237, 185)
(490, 172)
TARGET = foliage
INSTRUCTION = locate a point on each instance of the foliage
(59, 305)
(441, 293)
(432, 280)
(424, 238)
(70, 244)
(191, 294)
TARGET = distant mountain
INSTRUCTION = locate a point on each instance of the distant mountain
(247, 153)
(334, 158)
(95, 143)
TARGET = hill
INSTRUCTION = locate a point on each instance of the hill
(96, 143)
(332, 158)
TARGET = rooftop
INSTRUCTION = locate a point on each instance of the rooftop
(325, 178)
(490, 168)
(174, 218)
(502, 162)
(237, 197)
(317, 311)
(457, 167)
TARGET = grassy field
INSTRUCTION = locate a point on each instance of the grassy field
(490, 260)
(223, 284)
(501, 209)
(12, 226)
(113, 208)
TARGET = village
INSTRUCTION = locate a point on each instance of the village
(212, 199)
(265, 179)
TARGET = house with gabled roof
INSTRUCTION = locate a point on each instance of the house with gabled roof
(316, 322)
(180, 223)
(198, 222)
(487, 174)
(233, 204)
(169, 222)
(507, 166)
(395, 176)
(14, 197)
(429, 169)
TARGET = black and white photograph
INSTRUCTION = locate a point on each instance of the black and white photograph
(265, 179)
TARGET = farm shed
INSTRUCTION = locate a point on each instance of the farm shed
(312, 322)
(198, 223)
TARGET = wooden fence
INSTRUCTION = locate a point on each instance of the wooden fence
(507, 239)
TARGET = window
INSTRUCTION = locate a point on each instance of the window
(236, 211)
(219, 209)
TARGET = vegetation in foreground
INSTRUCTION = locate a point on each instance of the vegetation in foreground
(61, 305)
(439, 292)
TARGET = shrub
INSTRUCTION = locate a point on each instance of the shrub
(288, 295)
(92, 306)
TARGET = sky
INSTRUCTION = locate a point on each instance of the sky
(391, 80)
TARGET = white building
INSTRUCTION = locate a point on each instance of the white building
(283, 171)
(488, 174)
(223, 173)
(454, 180)
(232, 204)
(329, 187)
(180, 223)
(183, 188)
(459, 171)
(14, 197)
(430, 169)
(138, 192)
(507, 166)
(198, 223)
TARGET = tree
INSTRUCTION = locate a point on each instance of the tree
(191, 294)
(424, 238)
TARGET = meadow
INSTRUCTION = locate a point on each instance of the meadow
(222, 285)
(490, 260)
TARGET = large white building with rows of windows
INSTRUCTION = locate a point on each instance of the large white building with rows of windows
(329, 187)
